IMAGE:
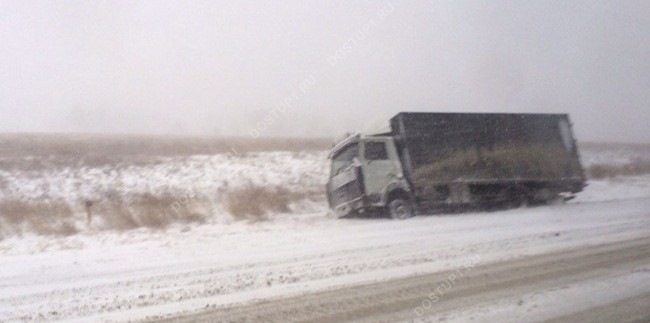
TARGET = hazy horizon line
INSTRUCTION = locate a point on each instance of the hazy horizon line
(238, 137)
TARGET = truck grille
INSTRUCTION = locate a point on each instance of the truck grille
(345, 187)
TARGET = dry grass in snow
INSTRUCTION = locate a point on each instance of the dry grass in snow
(255, 202)
(634, 168)
(62, 185)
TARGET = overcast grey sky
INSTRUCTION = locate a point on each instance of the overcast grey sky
(319, 67)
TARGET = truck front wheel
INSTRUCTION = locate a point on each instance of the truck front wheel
(400, 209)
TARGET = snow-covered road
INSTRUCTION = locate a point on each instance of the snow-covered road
(595, 283)
(142, 274)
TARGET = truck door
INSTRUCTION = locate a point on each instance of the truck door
(379, 169)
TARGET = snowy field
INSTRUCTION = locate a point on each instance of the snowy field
(62, 193)
(102, 272)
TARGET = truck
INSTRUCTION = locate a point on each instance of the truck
(422, 163)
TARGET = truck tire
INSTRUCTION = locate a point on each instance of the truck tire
(400, 209)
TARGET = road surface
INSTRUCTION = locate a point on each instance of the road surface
(471, 291)
(566, 262)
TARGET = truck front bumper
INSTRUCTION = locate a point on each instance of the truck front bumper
(345, 209)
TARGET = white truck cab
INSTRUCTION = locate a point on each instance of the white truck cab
(366, 173)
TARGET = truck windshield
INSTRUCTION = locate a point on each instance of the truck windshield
(344, 158)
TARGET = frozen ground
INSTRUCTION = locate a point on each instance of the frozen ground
(140, 274)
(38, 195)
(110, 275)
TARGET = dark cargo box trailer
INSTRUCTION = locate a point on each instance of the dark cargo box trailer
(455, 156)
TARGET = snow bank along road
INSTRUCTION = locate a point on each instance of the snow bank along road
(539, 263)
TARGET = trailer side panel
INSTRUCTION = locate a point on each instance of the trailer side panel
(438, 149)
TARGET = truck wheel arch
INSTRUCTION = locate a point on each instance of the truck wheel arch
(400, 199)
(397, 192)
